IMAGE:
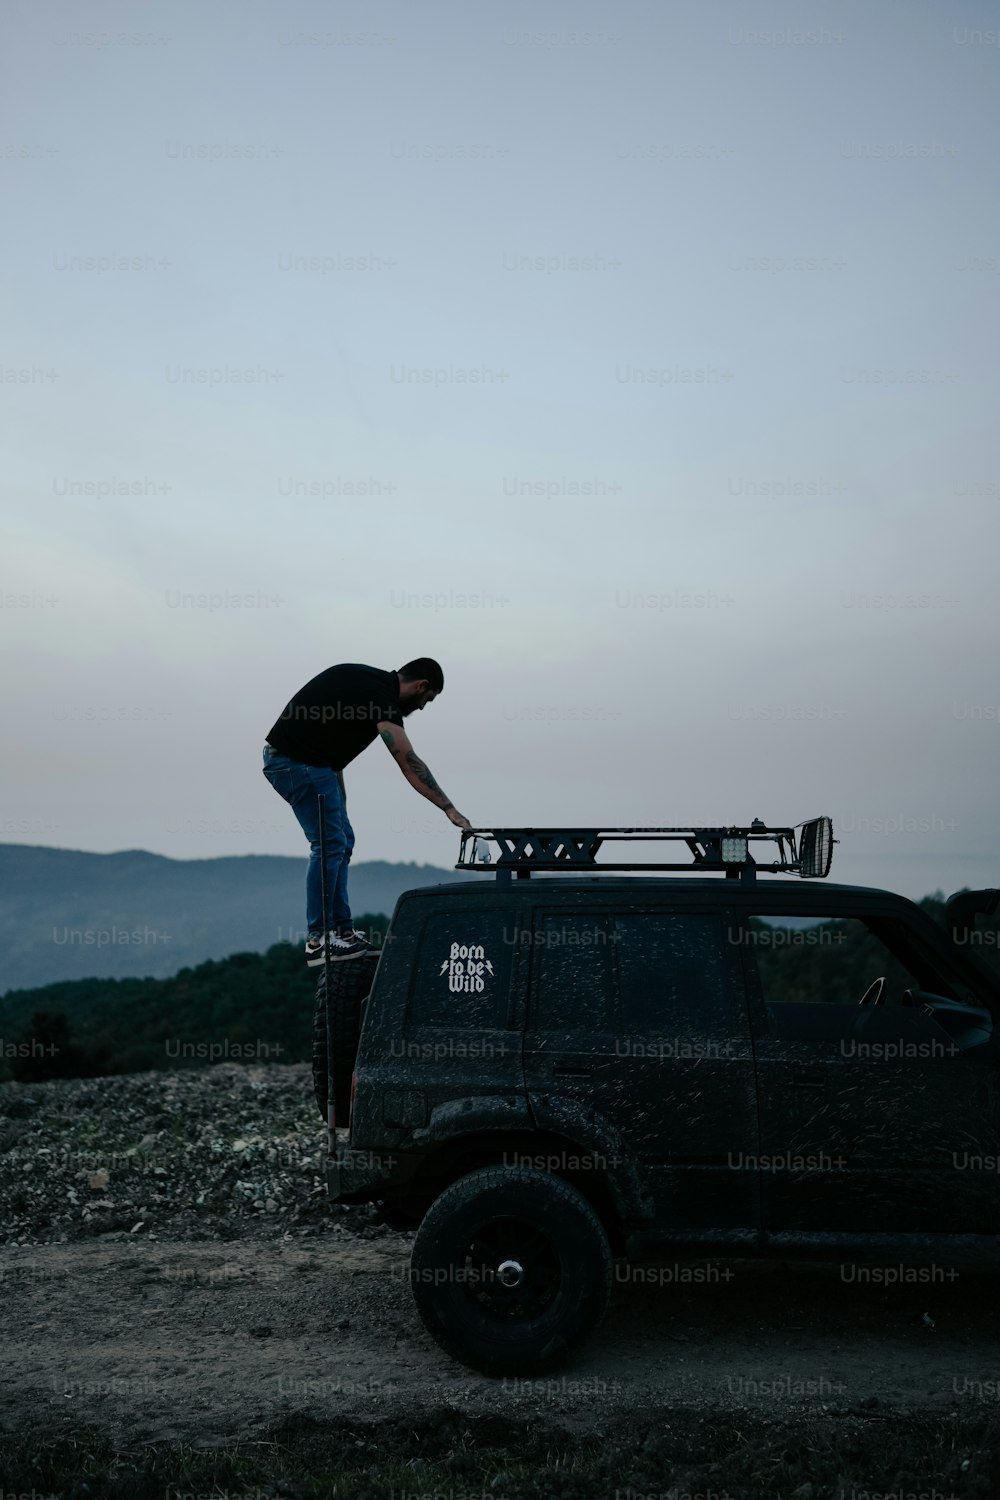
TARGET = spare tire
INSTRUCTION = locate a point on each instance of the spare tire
(350, 981)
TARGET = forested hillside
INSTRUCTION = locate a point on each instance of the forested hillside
(66, 914)
(249, 1007)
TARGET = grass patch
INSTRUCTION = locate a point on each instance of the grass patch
(667, 1452)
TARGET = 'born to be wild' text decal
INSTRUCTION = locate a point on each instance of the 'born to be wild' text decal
(467, 967)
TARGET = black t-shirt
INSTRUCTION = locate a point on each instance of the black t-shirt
(336, 715)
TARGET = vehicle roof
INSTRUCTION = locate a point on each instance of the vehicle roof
(660, 884)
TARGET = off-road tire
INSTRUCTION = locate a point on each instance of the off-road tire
(350, 982)
(503, 1216)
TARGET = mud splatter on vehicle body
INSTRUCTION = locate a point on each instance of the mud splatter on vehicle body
(556, 1073)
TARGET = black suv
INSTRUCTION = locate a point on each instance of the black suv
(553, 1073)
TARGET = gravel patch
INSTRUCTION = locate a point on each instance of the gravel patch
(225, 1152)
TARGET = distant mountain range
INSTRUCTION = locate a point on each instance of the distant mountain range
(65, 914)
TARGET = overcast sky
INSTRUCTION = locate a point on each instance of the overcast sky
(637, 361)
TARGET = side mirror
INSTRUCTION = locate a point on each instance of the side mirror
(963, 908)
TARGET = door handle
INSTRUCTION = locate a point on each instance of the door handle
(808, 1081)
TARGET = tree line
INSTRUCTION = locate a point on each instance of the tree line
(245, 1008)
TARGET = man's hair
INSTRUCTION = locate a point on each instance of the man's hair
(420, 667)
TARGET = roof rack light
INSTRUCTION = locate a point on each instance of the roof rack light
(524, 850)
(816, 843)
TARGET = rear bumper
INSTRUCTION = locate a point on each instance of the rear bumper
(367, 1176)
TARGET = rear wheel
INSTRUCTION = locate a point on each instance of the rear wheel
(350, 981)
(511, 1269)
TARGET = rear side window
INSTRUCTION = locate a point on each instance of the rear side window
(462, 974)
(573, 963)
(672, 971)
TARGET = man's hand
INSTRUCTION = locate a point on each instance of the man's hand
(459, 821)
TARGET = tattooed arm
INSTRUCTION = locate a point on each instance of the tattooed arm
(417, 772)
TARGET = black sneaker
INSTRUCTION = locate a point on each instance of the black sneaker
(348, 945)
(340, 947)
(314, 950)
(352, 934)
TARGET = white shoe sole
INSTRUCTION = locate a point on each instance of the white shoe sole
(335, 958)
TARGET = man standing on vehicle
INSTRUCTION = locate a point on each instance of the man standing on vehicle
(329, 721)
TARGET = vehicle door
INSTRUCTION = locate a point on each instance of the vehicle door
(637, 1013)
(869, 1113)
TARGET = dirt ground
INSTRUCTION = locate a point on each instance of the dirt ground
(209, 1342)
(182, 1310)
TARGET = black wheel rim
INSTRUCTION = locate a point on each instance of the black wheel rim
(511, 1269)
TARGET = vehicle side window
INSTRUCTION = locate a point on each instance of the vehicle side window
(462, 973)
(672, 971)
(833, 960)
(572, 961)
(812, 977)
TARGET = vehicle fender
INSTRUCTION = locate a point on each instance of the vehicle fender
(597, 1137)
(458, 1117)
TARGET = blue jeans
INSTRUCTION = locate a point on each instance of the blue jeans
(300, 785)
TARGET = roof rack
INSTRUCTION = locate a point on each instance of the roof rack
(525, 850)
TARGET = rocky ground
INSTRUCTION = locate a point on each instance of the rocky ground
(218, 1152)
(179, 1295)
